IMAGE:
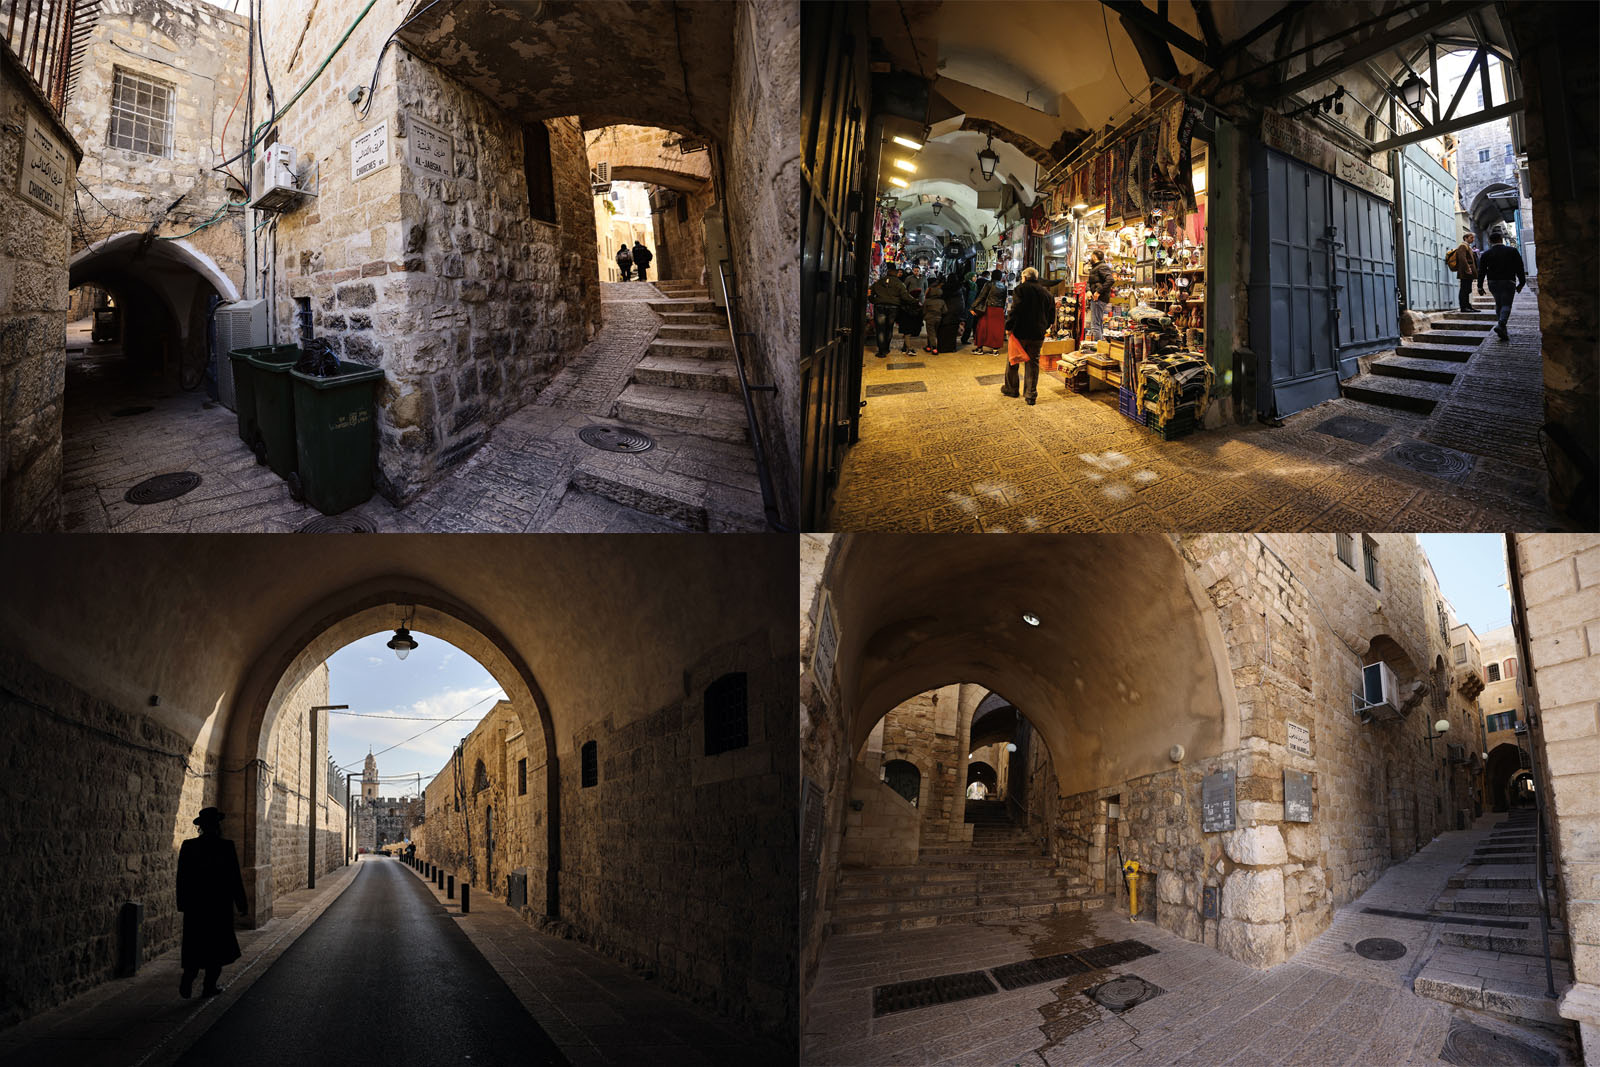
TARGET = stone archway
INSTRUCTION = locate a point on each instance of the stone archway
(349, 615)
(1500, 770)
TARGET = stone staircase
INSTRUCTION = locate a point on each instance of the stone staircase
(1498, 968)
(1418, 374)
(685, 388)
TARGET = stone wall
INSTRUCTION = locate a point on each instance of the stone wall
(295, 784)
(34, 247)
(1560, 593)
(681, 245)
(882, 828)
(761, 176)
(925, 731)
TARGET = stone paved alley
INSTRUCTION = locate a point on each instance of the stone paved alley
(521, 480)
(1327, 1006)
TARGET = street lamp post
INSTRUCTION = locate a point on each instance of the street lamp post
(316, 789)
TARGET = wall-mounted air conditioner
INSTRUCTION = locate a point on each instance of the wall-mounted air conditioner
(1379, 691)
(600, 179)
(273, 185)
(242, 324)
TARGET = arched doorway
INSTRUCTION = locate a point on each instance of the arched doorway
(903, 777)
(1505, 763)
(981, 773)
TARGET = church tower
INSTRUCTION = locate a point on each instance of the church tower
(369, 780)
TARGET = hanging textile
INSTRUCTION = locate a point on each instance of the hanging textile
(1138, 168)
(1184, 178)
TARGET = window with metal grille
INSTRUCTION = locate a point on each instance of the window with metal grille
(1483, 155)
(541, 177)
(522, 777)
(1494, 672)
(1504, 720)
(589, 763)
(1346, 550)
(1444, 624)
(903, 777)
(480, 778)
(141, 114)
(1369, 560)
(727, 713)
(683, 208)
(302, 315)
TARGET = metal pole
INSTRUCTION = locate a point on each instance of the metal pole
(318, 789)
(347, 856)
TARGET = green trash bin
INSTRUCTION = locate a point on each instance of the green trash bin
(244, 386)
(274, 443)
(335, 435)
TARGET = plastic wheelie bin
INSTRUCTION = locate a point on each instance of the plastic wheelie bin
(269, 374)
(244, 385)
(335, 436)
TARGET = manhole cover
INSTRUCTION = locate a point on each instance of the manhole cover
(925, 992)
(138, 409)
(1472, 1046)
(1361, 431)
(894, 388)
(1114, 953)
(1443, 463)
(1122, 993)
(616, 439)
(1380, 948)
(1032, 972)
(162, 487)
(338, 524)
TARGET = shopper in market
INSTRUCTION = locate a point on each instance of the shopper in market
(1505, 275)
(888, 293)
(969, 314)
(910, 318)
(933, 311)
(1464, 261)
(989, 308)
(1101, 282)
(955, 303)
(1033, 309)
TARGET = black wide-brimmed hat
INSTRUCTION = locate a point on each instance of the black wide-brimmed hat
(207, 816)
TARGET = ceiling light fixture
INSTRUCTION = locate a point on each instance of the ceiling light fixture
(402, 642)
(901, 182)
(1030, 618)
(906, 142)
(905, 165)
(1412, 90)
(987, 160)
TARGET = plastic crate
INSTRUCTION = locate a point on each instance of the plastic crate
(1129, 404)
(1182, 425)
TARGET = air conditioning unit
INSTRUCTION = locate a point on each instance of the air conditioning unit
(600, 179)
(272, 181)
(1379, 691)
(242, 324)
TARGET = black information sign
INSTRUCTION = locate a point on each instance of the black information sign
(1296, 797)
(1208, 901)
(1217, 805)
(810, 842)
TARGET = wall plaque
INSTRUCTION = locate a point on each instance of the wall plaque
(369, 151)
(827, 647)
(1299, 739)
(811, 818)
(1217, 804)
(1296, 796)
(429, 149)
(42, 179)
(1209, 903)
(1305, 144)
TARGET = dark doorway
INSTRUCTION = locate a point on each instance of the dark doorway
(1504, 762)
(488, 848)
(979, 771)
(903, 777)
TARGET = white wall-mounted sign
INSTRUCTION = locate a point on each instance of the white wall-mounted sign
(826, 647)
(369, 151)
(429, 149)
(42, 179)
(1299, 739)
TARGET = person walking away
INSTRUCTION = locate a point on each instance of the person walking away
(1101, 282)
(625, 262)
(1464, 261)
(888, 293)
(1033, 309)
(209, 887)
(1502, 268)
(955, 303)
(933, 309)
(1479, 247)
(990, 310)
(641, 258)
(910, 320)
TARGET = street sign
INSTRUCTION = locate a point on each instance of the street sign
(1299, 739)
(1218, 807)
(1296, 796)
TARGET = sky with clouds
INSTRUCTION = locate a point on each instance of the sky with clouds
(1471, 569)
(435, 681)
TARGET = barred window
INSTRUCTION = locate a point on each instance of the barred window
(1369, 560)
(1494, 672)
(588, 765)
(141, 114)
(1346, 550)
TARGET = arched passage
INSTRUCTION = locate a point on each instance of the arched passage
(1502, 767)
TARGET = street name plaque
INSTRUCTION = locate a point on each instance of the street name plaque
(1217, 806)
(1296, 796)
(1299, 739)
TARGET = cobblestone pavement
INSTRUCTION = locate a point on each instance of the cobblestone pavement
(518, 481)
(955, 455)
(1328, 1006)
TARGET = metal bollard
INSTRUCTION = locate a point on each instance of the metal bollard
(130, 941)
(450, 886)
(466, 897)
(438, 878)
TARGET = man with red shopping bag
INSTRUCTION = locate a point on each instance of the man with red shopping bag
(1033, 309)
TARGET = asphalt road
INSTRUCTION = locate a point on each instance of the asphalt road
(383, 976)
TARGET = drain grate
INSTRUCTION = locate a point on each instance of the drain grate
(137, 409)
(1124, 992)
(1444, 463)
(926, 992)
(162, 487)
(991, 379)
(1361, 431)
(328, 524)
(616, 439)
(1440, 917)
(1044, 969)
(897, 387)
(906, 366)
(1380, 948)
(1474, 1046)
(1114, 953)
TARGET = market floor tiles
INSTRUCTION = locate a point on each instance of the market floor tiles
(952, 454)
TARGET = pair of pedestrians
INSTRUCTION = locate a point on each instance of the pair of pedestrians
(637, 259)
(1500, 268)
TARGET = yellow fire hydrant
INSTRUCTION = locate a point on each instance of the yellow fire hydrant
(1130, 874)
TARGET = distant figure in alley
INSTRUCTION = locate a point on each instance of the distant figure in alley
(209, 888)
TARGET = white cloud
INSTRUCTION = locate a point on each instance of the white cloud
(375, 661)
(432, 749)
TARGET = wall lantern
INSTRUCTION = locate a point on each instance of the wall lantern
(1412, 91)
(988, 159)
(1011, 746)
(1079, 210)
(937, 204)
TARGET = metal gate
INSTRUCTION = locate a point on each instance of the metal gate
(833, 92)
(1322, 287)
(1428, 208)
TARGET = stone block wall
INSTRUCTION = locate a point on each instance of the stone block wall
(882, 828)
(1560, 586)
(681, 246)
(34, 248)
(923, 731)
(295, 784)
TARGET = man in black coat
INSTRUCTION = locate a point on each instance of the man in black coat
(1033, 309)
(209, 887)
(641, 258)
(1101, 282)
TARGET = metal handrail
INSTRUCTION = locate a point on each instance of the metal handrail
(769, 503)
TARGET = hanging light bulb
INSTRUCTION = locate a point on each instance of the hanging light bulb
(402, 642)
(988, 159)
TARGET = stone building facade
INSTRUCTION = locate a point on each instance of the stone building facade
(1489, 163)
(1502, 709)
(380, 820)
(681, 191)
(296, 785)
(1284, 626)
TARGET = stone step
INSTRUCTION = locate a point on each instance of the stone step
(1484, 315)
(901, 888)
(684, 294)
(693, 318)
(1414, 349)
(1401, 393)
(937, 868)
(1517, 877)
(679, 373)
(957, 916)
(1464, 324)
(907, 903)
(1511, 985)
(1509, 902)
(715, 349)
(715, 415)
(671, 496)
(703, 307)
(1450, 337)
(703, 331)
(1513, 942)
(1423, 370)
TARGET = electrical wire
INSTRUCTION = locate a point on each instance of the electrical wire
(1112, 53)
(372, 86)
(222, 139)
(408, 718)
(492, 696)
(261, 46)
